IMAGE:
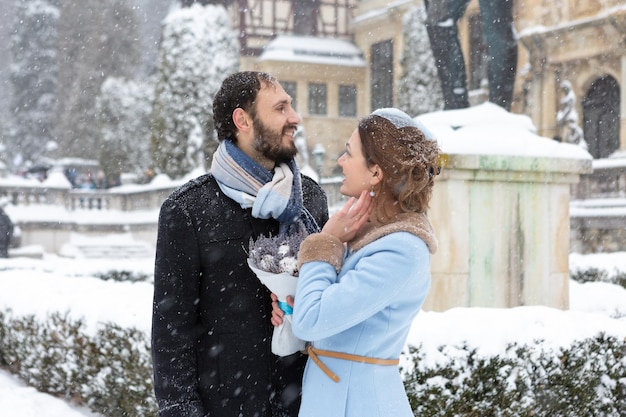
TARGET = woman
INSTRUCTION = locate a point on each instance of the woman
(364, 278)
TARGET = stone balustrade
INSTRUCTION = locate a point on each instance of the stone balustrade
(138, 198)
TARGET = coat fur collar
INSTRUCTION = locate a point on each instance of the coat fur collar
(328, 248)
(414, 223)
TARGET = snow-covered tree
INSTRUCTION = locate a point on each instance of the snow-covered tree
(98, 39)
(419, 87)
(34, 77)
(198, 50)
(124, 108)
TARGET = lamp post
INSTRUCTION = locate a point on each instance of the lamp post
(319, 153)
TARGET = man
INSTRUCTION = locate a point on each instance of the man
(211, 330)
(497, 21)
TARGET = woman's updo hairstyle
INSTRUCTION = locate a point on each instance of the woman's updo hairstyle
(406, 152)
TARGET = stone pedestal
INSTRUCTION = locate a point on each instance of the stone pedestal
(500, 210)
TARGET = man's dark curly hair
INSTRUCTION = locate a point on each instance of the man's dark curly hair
(238, 90)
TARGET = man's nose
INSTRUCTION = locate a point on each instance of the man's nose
(294, 117)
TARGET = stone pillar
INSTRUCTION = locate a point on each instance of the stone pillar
(501, 215)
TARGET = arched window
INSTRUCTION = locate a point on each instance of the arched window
(601, 114)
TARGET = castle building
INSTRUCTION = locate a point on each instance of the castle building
(340, 59)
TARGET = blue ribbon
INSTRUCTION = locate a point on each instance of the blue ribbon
(287, 309)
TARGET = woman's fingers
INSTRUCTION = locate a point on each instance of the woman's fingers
(353, 215)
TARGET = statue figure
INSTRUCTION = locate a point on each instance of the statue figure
(567, 117)
(302, 157)
(497, 22)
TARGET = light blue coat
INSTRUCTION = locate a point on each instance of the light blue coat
(365, 309)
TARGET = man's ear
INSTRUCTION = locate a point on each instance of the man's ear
(242, 119)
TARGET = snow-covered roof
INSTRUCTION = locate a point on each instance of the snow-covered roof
(313, 50)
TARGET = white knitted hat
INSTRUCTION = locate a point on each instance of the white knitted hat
(400, 119)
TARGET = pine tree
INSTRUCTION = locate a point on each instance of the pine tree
(124, 108)
(420, 89)
(198, 51)
(34, 77)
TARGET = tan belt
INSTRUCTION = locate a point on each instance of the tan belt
(314, 353)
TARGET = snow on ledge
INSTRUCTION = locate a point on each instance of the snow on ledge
(488, 129)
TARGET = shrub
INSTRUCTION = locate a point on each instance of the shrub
(593, 274)
(110, 372)
(124, 276)
(584, 380)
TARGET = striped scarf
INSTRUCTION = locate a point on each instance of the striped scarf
(276, 195)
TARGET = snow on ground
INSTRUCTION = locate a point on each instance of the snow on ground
(19, 400)
(42, 286)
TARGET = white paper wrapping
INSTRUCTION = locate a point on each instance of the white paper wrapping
(284, 342)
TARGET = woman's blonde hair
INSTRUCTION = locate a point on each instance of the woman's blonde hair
(408, 159)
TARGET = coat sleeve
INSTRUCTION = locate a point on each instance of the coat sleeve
(175, 314)
(326, 304)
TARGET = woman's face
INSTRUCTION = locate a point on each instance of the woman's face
(357, 176)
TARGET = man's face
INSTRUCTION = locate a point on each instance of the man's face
(275, 124)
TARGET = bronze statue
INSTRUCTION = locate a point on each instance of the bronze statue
(497, 22)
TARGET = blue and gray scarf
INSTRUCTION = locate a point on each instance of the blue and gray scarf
(276, 195)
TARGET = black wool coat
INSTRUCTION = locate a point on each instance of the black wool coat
(211, 330)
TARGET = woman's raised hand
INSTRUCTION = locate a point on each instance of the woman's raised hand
(345, 223)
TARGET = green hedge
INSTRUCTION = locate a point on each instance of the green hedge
(587, 379)
(593, 274)
(110, 372)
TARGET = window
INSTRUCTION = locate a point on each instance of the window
(290, 88)
(347, 100)
(382, 75)
(317, 98)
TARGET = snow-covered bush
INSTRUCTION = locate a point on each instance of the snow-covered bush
(124, 276)
(110, 372)
(595, 274)
(587, 379)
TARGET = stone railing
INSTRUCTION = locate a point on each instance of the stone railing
(598, 208)
(608, 180)
(123, 199)
(19, 195)
(141, 198)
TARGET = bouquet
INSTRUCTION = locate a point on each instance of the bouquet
(274, 261)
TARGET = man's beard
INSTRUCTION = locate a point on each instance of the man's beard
(270, 143)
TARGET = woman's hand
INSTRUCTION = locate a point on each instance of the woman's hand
(345, 223)
(277, 314)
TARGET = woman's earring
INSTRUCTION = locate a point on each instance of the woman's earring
(372, 193)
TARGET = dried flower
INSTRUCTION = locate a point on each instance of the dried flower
(277, 254)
